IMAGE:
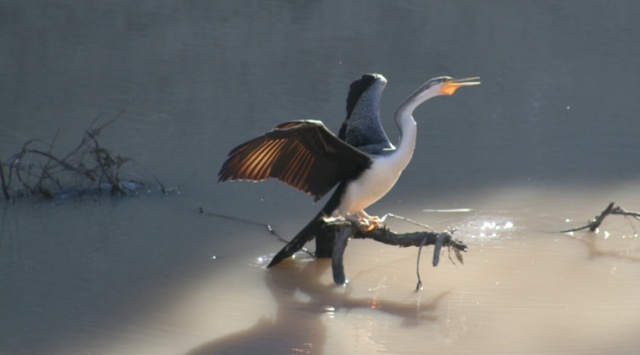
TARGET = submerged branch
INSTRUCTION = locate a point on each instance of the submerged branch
(337, 233)
(88, 169)
(342, 237)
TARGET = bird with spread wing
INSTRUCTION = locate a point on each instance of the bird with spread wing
(360, 161)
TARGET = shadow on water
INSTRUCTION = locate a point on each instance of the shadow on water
(293, 331)
(593, 241)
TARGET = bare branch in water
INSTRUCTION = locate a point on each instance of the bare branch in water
(88, 169)
(384, 235)
(333, 237)
(611, 209)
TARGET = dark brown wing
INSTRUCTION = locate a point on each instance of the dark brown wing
(302, 154)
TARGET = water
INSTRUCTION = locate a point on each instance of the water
(545, 143)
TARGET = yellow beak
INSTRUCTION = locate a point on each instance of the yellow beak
(450, 87)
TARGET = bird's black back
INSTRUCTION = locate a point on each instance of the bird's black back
(362, 128)
(356, 89)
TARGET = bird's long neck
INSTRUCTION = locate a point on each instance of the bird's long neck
(408, 133)
(407, 125)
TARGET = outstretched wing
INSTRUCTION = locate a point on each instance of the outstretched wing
(362, 127)
(302, 154)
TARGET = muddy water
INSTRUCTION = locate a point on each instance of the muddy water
(546, 142)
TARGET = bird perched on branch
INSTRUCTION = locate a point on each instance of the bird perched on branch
(361, 160)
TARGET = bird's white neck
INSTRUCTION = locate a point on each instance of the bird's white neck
(408, 134)
(386, 168)
(408, 126)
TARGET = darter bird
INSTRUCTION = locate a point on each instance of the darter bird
(361, 160)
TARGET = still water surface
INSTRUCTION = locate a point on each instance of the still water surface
(546, 142)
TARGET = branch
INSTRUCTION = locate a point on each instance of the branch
(332, 238)
(340, 231)
(88, 169)
(342, 237)
(265, 225)
(612, 208)
(621, 211)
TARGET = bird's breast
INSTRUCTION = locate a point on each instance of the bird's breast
(371, 185)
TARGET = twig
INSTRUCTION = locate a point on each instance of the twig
(419, 284)
(41, 171)
(163, 189)
(595, 223)
(402, 218)
(621, 211)
(62, 163)
(96, 131)
(267, 226)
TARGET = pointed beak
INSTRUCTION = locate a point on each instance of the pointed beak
(450, 87)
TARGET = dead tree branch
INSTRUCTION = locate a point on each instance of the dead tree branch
(334, 236)
(88, 169)
(611, 209)
(332, 239)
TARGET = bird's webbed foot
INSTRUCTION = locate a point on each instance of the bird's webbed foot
(368, 223)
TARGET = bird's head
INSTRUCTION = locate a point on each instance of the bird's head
(372, 84)
(442, 85)
(447, 85)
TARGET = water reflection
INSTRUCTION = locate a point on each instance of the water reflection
(599, 244)
(299, 324)
(488, 227)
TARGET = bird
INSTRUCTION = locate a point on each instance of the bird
(361, 160)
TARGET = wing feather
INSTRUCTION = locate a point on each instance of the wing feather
(302, 154)
(259, 159)
(260, 164)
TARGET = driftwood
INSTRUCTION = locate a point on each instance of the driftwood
(87, 170)
(332, 241)
(612, 209)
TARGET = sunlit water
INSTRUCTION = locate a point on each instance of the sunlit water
(127, 287)
(543, 145)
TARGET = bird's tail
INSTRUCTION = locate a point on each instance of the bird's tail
(306, 234)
